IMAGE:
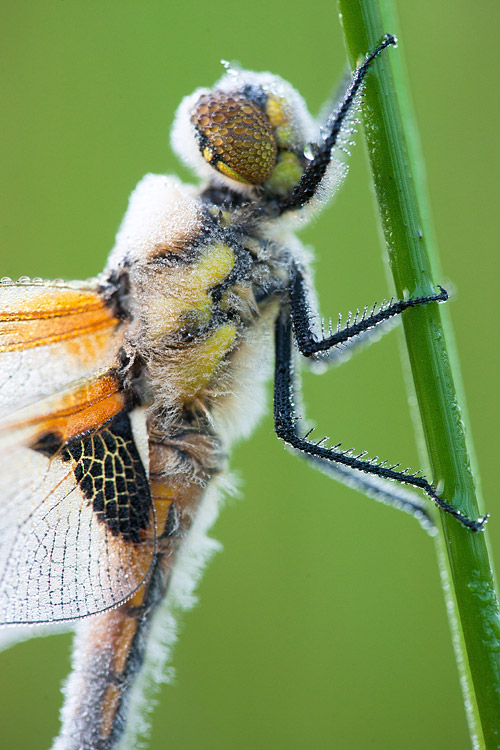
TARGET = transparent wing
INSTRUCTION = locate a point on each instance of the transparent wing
(77, 532)
(77, 529)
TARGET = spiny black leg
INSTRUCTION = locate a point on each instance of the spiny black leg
(316, 168)
(338, 355)
(285, 424)
(307, 342)
(379, 489)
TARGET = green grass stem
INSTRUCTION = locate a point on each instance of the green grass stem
(466, 570)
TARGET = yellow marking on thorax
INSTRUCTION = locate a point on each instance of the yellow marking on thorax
(189, 302)
(215, 264)
(198, 366)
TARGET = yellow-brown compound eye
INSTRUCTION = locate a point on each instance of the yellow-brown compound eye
(236, 137)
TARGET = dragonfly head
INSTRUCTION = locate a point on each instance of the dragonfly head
(251, 131)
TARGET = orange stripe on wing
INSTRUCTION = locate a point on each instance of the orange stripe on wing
(31, 303)
(80, 411)
(32, 315)
(18, 334)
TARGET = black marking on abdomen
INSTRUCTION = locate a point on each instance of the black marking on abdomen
(109, 471)
(157, 588)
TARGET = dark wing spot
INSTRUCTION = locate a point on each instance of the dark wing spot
(48, 444)
(109, 471)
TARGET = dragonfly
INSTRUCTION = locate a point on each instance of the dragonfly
(120, 397)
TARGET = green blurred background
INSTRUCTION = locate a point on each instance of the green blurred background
(322, 622)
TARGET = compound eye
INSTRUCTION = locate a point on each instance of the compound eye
(235, 137)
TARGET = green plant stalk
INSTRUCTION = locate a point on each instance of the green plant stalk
(466, 571)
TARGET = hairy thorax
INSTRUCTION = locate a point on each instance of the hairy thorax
(205, 302)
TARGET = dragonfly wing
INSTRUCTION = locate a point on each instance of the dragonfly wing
(76, 524)
(77, 532)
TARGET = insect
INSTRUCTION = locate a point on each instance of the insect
(137, 383)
